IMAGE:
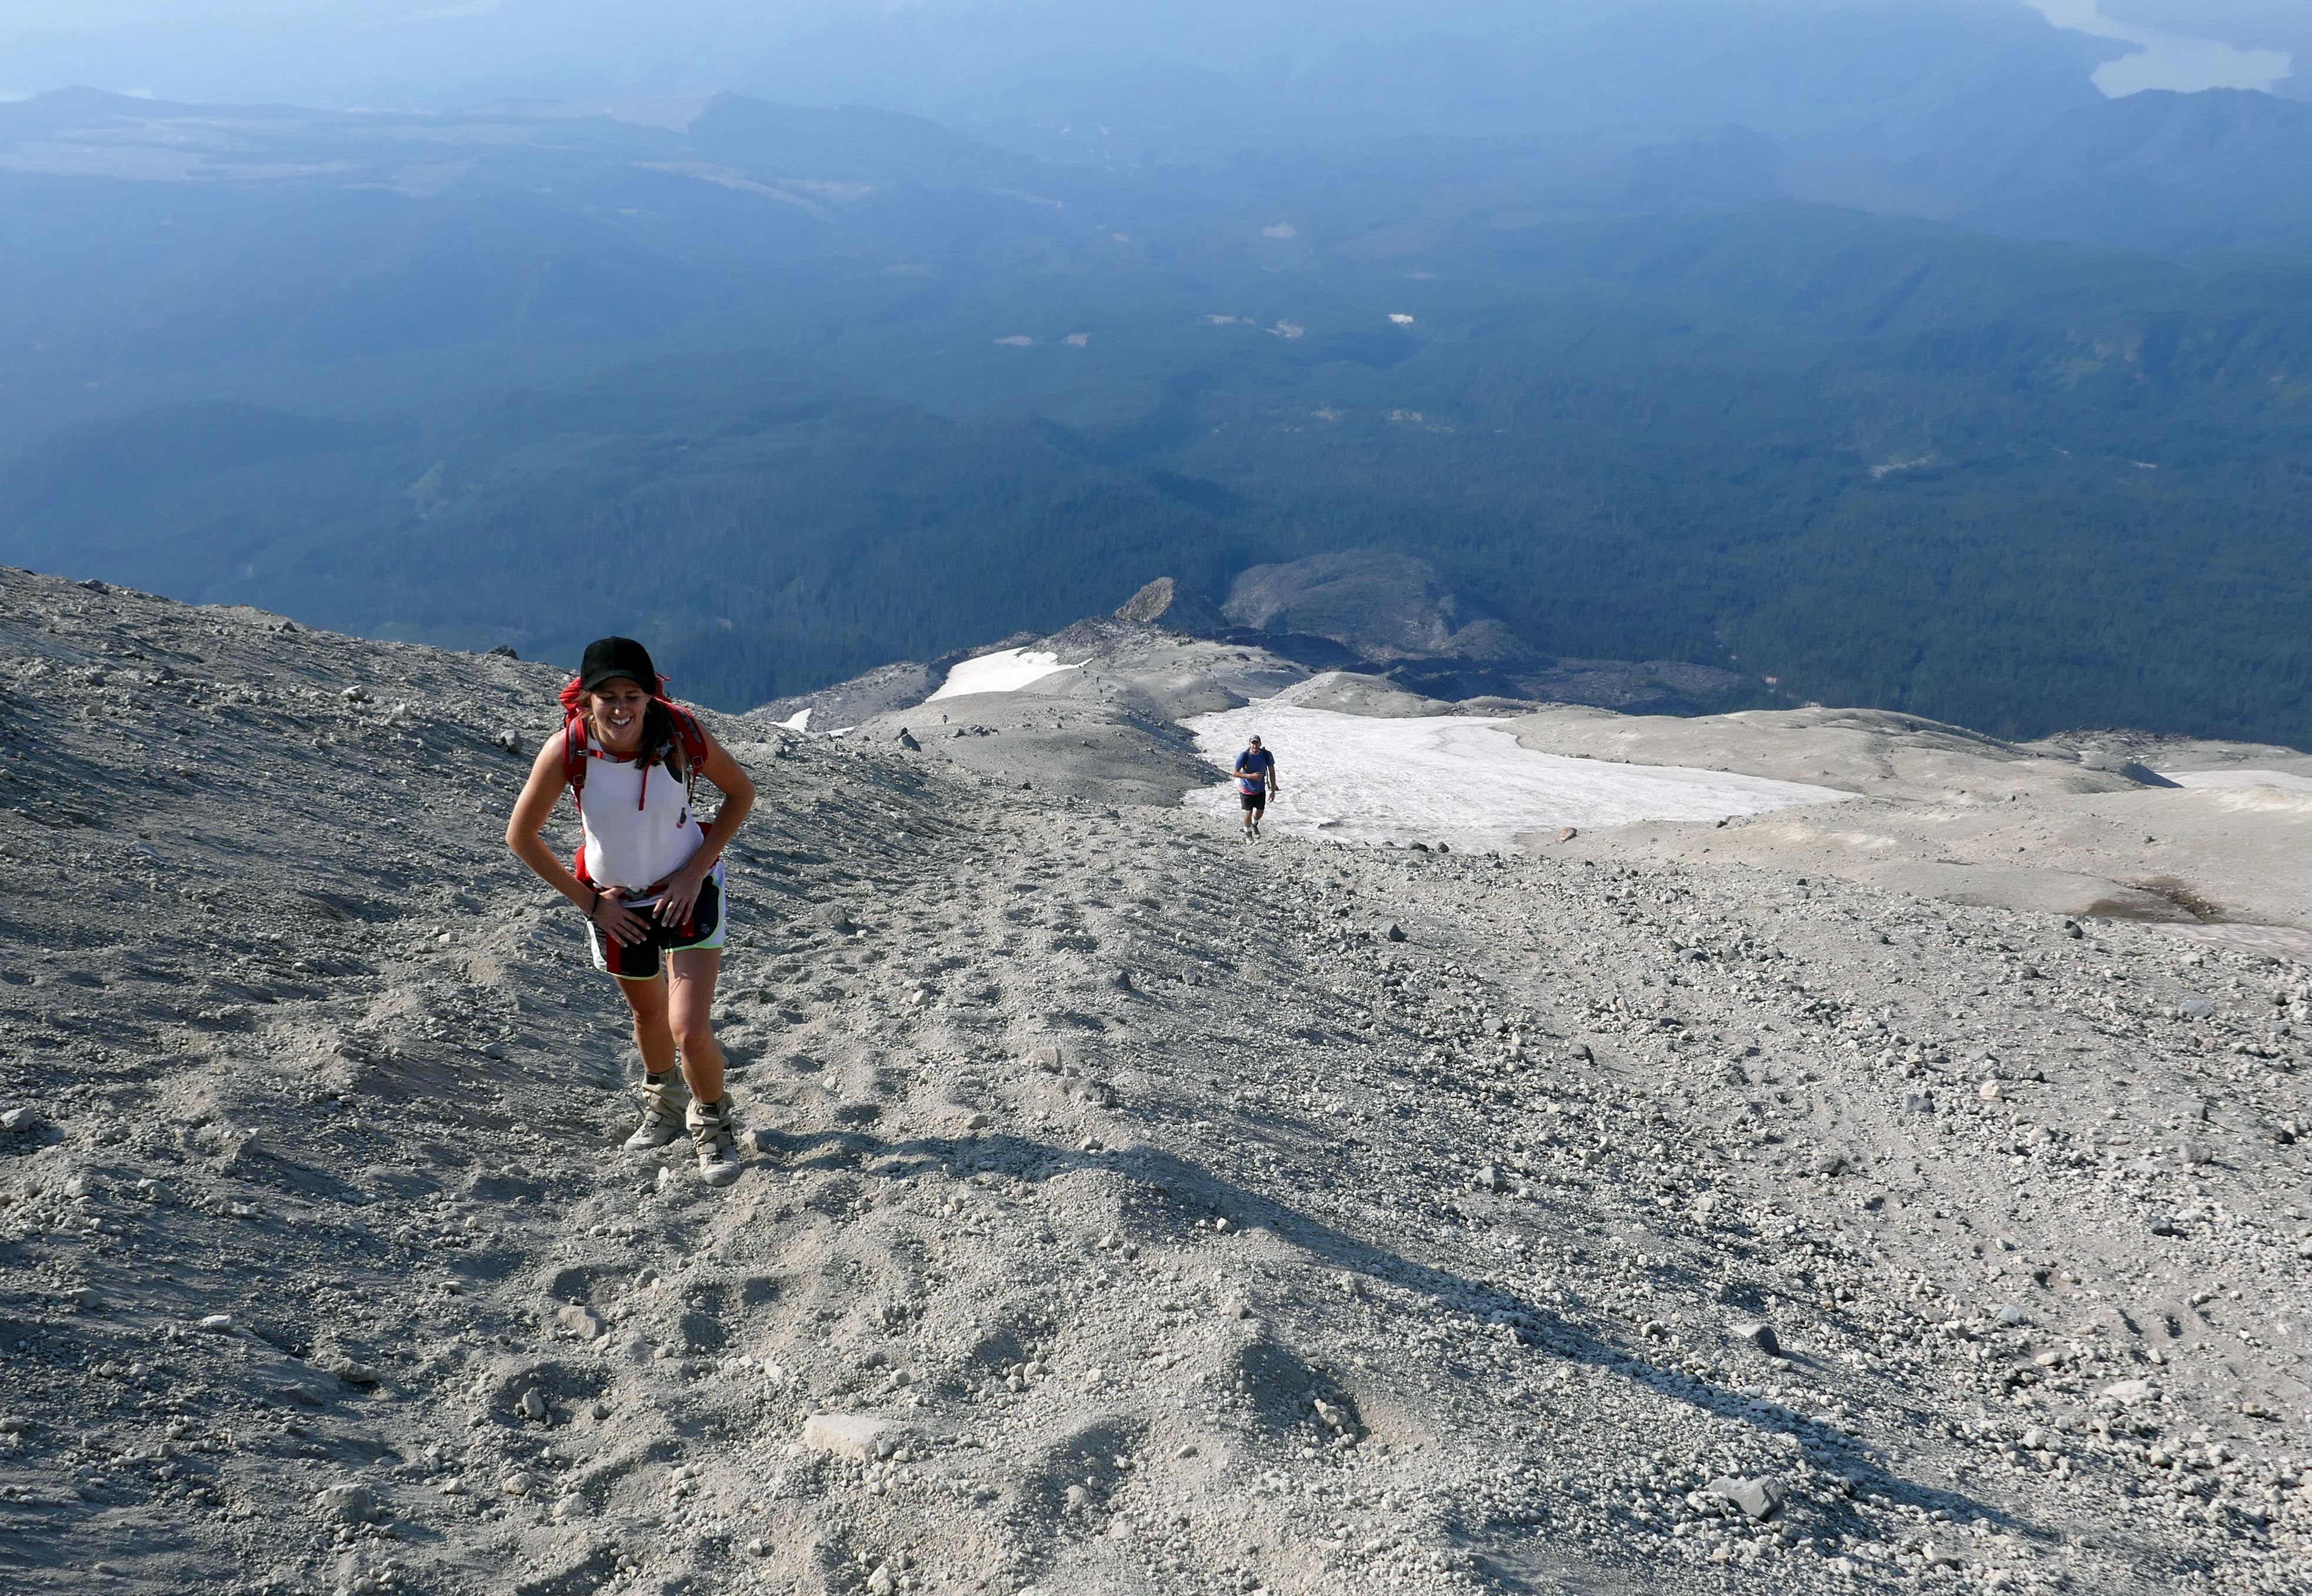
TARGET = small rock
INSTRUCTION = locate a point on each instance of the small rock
(217, 1323)
(1393, 932)
(354, 1373)
(1830, 1164)
(881, 1582)
(503, 652)
(576, 1320)
(1568, 835)
(1078, 1498)
(1989, 1091)
(350, 1502)
(845, 1434)
(2196, 1153)
(1761, 1499)
(2196, 1009)
(2163, 1227)
(23, 1117)
(2128, 1391)
(1761, 1334)
(511, 741)
(519, 1484)
(1918, 1102)
(1489, 1179)
(2010, 1314)
(532, 1404)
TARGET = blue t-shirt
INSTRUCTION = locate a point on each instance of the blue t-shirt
(1252, 768)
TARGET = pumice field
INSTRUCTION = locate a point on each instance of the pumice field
(1129, 1207)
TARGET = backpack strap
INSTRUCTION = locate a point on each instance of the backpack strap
(693, 738)
(573, 758)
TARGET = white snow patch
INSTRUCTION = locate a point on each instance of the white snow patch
(2280, 779)
(798, 721)
(1007, 671)
(1458, 779)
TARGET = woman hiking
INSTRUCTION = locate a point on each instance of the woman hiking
(649, 879)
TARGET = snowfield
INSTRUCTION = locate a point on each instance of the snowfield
(2217, 778)
(1458, 779)
(1005, 672)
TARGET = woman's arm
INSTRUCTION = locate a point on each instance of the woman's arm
(532, 810)
(738, 802)
(737, 790)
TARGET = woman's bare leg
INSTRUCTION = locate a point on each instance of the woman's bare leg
(690, 1019)
(653, 1035)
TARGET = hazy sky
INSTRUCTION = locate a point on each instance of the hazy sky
(441, 52)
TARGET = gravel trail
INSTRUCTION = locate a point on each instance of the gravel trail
(1132, 1210)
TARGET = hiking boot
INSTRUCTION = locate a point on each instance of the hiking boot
(662, 1098)
(715, 1137)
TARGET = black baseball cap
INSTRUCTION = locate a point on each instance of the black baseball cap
(608, 657)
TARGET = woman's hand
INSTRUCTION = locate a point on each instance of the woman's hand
(620, 924)
(681, 894)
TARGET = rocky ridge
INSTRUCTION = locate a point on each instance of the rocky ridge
(1133, 1210)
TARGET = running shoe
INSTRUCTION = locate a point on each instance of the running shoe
(714, 1136)
(662, 1099)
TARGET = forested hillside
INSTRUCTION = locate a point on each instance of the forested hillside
(792, 393)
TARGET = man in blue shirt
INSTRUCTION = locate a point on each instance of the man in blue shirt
(1255, 779)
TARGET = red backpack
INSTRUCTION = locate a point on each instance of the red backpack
(688, 733)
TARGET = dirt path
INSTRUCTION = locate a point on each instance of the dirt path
(1133, 1212)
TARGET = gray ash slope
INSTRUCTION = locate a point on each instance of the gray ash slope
(1181, 1230)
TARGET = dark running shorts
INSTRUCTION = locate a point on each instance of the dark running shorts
(641, 961)
(1254, 802)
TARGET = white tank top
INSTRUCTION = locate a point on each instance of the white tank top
(637, 820)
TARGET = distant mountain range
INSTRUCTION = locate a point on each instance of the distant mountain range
(2224, 172)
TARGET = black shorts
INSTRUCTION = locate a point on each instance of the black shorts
(1254, 802)
(641, 960)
